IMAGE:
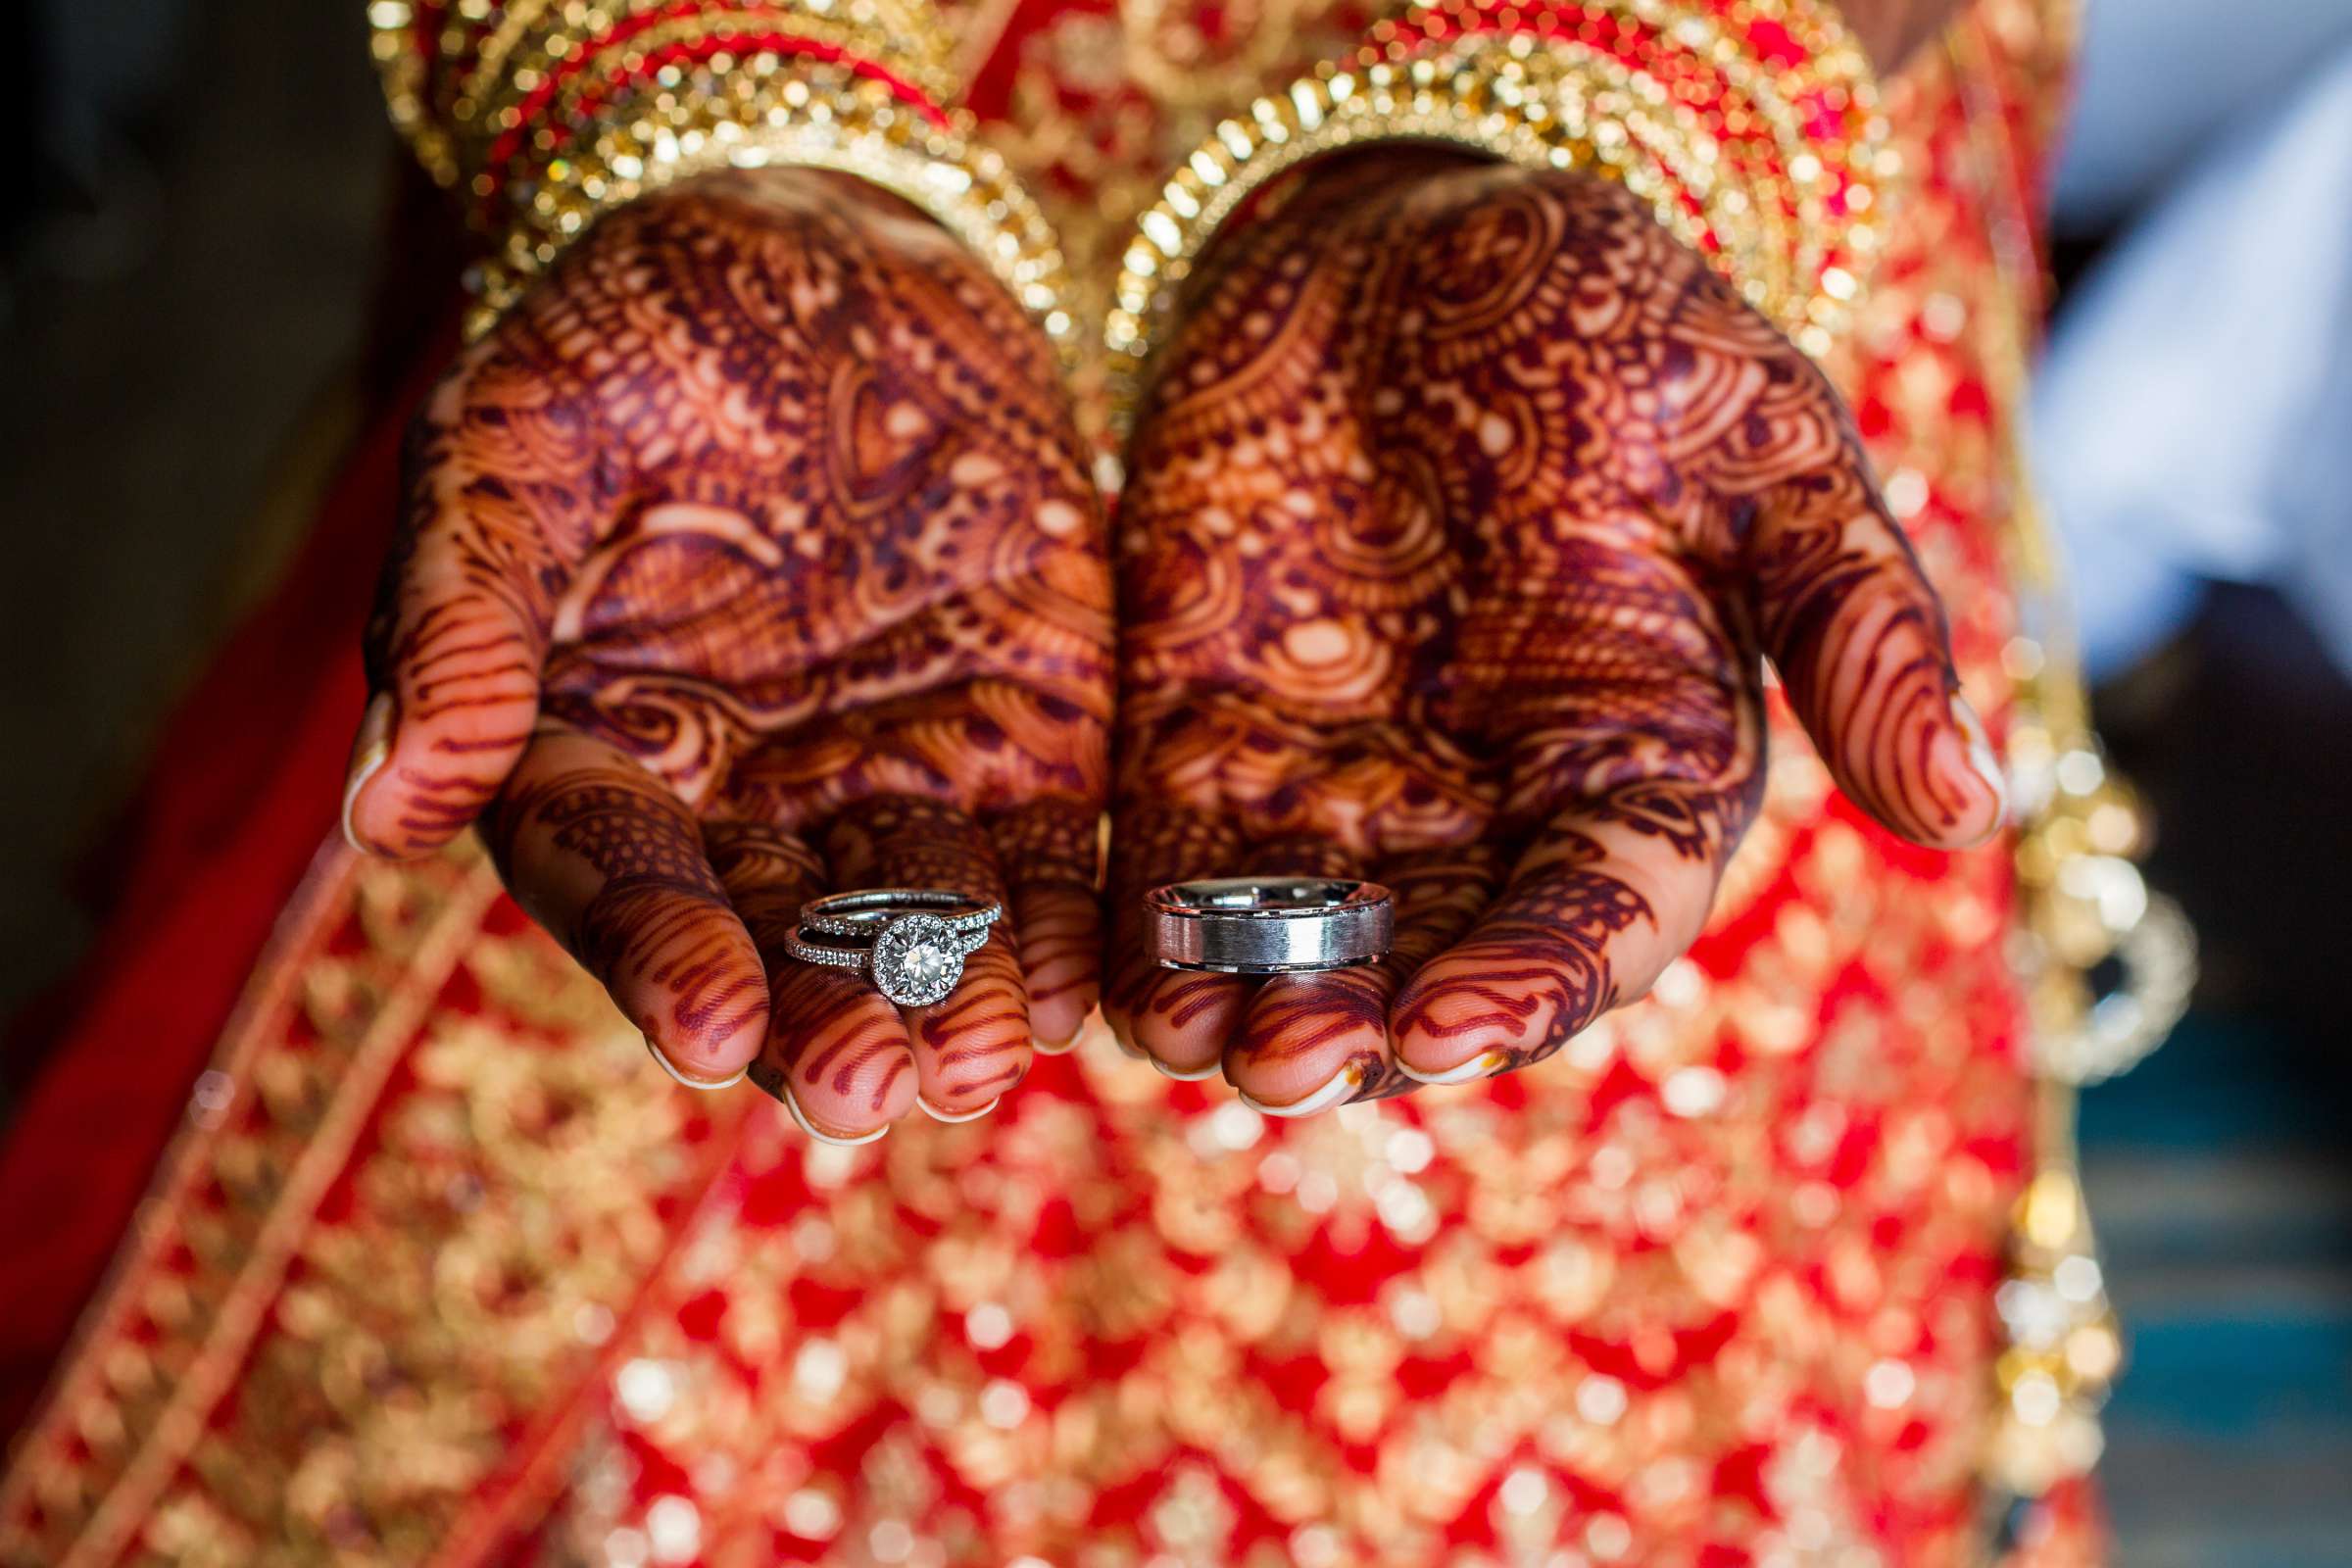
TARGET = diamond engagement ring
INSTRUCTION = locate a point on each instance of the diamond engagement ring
(913, 955)
(858, 916)
(1267, 925)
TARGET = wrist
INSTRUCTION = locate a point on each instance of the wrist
(1360, 174)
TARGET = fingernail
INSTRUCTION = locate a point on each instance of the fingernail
(1184, 1075)
(1981, 755)
(1062, 1047)
(1122, 1035)
(1341, 1087)
(1484, 1065)
(706, 1085)
(369, 749)
(777, 1085)
(953, 1117)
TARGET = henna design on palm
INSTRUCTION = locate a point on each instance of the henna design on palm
(752, 556)
(1464, 509)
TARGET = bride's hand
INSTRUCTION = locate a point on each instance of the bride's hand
(1465, 508)
(752, 557)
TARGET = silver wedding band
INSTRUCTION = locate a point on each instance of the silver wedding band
(1267, 925)
(892, 936)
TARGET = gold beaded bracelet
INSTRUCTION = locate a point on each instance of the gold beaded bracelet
(774, 112)
(1770, 166)
(547, 115)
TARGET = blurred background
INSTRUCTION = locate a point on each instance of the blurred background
(186, 265)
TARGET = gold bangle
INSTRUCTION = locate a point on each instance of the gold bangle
(546, 119)
(528, 44)
(1779, 210)
(773, 111)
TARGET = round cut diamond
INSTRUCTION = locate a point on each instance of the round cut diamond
(923, 964)
(915, 960)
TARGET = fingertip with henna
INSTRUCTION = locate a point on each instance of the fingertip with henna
(955, 1116)
(1342, 1086)
(706, 1085)
(1057, 1048)
(1183, 1019)
(1985, 765)
(685, 973)
(972, 1049)
(1121, 1026)
(705, 1038)
(1957, 797)
(1312, 1040)
(772, 1079)
(1484, 1064)
(1456, 1022)
(370, 748)
(1060, 947)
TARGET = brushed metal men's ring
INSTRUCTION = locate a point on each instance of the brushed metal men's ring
(1268, 926)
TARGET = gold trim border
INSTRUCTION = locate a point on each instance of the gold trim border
(260, 1017)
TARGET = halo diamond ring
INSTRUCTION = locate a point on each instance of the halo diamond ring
(913, 955)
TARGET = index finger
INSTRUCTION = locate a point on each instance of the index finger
(498, 474)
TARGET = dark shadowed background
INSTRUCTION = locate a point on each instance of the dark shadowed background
(189, 267)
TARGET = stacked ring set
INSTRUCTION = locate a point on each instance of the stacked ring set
(911, 942)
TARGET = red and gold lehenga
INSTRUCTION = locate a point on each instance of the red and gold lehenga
(435, 1269)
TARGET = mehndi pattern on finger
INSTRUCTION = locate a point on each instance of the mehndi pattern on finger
(613, 866)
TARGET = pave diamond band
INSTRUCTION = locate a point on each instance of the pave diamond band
(891, 936)
(1267, 925)
(859, 917)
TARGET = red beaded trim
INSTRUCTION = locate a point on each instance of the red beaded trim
(427, 70)
(504, 151)
(1794, 79)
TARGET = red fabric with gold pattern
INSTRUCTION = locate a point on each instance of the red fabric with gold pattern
(439, 1270)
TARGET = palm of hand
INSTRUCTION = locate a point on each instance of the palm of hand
(1464, 508)
(752, 558)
